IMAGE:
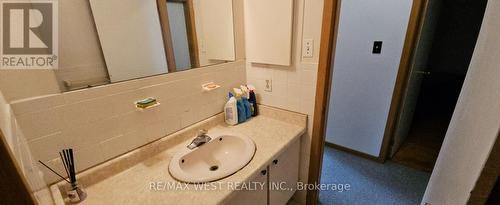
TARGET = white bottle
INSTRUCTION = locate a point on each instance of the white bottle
(231, 111)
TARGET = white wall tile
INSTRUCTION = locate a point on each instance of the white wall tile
(123, 143)
(42, 123)
(157, 130)
(35, 104)
(56, 165)
(130, 122)
(279, 89)
(307, 92)
(19, 146)
(280, 76)
(86, 158)
(212, 108)
(87, 135)
(81, 95)
(293, 97)
(47, 147)
(101, 108)
(103, 122)
(75, 114)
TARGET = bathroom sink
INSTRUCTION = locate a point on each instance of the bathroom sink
(223, 155)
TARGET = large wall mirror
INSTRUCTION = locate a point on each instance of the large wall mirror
(141, 38)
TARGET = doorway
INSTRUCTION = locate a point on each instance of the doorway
(434, 93)
(443, 53)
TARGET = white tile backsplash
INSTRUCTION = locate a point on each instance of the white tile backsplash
(75, 114)
(19, 146)
(44, 147)
(102, 122)
(38, 103)
(292, 89)
(122, 143)
(41, 123)
(85, 158)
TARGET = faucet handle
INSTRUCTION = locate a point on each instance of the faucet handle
(202, 132)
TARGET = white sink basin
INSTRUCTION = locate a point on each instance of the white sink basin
(224, 155)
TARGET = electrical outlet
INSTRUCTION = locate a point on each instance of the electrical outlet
(307, 48)
(268, 87)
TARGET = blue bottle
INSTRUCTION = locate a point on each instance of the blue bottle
(248, 107)
(242, 116)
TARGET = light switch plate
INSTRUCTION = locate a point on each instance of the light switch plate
(307, 48)
(377, 47)
(268, 87)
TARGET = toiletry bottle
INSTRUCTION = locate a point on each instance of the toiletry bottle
(244, 98)
(231, 111)
(245, 90)
(248, 108)
(253, 100)
(240, 106)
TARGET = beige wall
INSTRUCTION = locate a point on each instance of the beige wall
(475, 123)
(294, 87)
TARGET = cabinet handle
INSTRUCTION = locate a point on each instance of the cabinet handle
(263, 172)
(275, 161)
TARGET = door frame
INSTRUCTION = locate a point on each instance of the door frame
(329, 31)
(167, 34)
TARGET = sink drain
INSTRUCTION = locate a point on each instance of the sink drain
(213, 168)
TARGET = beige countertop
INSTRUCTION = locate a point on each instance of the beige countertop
(128, 179)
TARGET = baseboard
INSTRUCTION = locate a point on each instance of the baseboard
(354, 152)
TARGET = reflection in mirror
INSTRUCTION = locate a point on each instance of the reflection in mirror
(184, 43)
(215, 31)
(143, 38)
(131, 44)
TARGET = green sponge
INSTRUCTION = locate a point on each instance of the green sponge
(145, 103)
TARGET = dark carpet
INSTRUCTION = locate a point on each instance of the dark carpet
(370, 182)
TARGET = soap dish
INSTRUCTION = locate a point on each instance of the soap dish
(148, 107)
(146, 103)
(209, 86)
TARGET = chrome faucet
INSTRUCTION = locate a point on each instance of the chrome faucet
(200, 139)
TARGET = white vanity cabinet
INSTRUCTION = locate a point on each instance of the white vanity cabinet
(283, 175)
(280, 178)
(252, 197)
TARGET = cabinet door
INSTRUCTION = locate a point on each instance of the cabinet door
(283, 175)
(253, 197)
(270, 23)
